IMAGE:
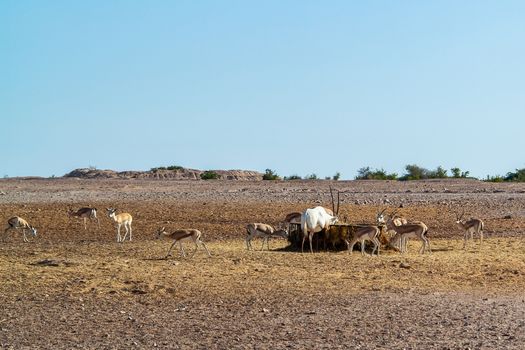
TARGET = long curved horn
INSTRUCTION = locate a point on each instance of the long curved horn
(333, 203)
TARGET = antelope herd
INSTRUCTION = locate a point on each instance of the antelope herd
(310, 221)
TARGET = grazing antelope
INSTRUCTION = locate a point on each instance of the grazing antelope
(121, 219)
(19, 223)
(414, 230)
(183, 235)
(471, 226)
(262, 230)
(85, 213)
(362, 234)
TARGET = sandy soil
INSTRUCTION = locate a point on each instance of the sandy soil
(75, 288)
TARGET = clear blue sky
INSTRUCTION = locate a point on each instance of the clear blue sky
(297, 86)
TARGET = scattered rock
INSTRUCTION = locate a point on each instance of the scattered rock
(46, 262)
(404, 265)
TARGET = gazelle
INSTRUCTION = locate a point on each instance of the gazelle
(362, 234)
(121, 219)
(183, 235)
(85, 213)
(471, 226)
(403, 232)
(262, 230)
(16, 223)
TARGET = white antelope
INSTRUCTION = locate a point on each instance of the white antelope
(403, 232)
(121, 219)
(183, 235)
(85, 213)
(470, 226)
(315, 220)
(362, 234)
(318, 219)
(19, 223)
(262, 230)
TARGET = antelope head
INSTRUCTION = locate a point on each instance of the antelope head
(33, 231)
(380, 217)
(458, 217)
(160, 232)
(111, 211)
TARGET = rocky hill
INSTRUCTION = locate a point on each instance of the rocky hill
(178, 174)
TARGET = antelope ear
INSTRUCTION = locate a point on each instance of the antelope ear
(162, 229)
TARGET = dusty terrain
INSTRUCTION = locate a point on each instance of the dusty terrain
(75, 288)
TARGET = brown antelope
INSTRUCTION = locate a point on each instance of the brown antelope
(180, 236)
(362, 234)
(471, 226)
(85, 213)
(414, 230)
(262, 230)
(19, 223)
(121, 219)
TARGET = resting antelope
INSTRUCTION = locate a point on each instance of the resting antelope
(365, 233)
(414, 230)
(183, 235)
(19, 223)
(262, 230)
(121, 219)
(85, 213)
(470, 226)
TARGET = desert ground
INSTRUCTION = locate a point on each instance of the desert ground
(75, 288)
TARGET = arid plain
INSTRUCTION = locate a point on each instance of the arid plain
(75, 288)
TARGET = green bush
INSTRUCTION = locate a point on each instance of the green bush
(209, 175)
(293, 177)
(497, 178)
(366, 173)
(457, 173)
(311, 177)
(269, 174)
(174, 167)
(337, 176)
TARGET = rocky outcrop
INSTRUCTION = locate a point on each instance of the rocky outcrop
(178, 174)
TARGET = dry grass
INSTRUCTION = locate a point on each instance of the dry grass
(498, 267)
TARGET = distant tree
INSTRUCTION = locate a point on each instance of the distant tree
(456, 172)
(293, 177)
(311, 177)
(366, 173)
(269, 174)
(414, 172)
(518, 176)
(439, 173)
(337, 176)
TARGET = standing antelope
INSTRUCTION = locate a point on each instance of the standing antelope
(414, 230)
(470, 226)
(85, 213)
(121, 219)
(362, 234)
(262, 230)
(315, 220)
(17, 222)
(318, 219)
(183, 235)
